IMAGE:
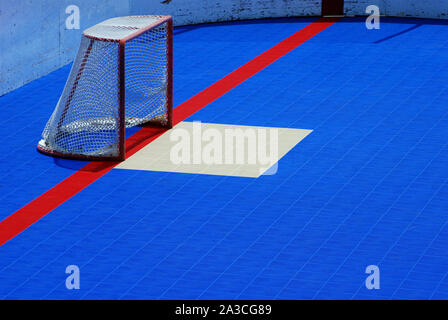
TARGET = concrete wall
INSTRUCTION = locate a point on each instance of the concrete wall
(34, 40)
(433, 9)
(200, 11)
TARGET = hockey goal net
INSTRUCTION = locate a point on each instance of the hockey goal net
(121, 77)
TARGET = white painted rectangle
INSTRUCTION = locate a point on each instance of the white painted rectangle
(159, 155)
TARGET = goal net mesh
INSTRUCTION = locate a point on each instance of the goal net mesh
(86, 120)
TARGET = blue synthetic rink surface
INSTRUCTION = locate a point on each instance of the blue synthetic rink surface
(367, 187)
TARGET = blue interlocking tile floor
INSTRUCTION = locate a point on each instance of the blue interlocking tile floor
(369, 185)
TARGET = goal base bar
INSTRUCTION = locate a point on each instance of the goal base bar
(77, 156)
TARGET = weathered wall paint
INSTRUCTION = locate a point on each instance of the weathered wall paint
(34, 40)
(433, 9)
(201, 11)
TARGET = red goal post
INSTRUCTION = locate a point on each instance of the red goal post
(122, 77)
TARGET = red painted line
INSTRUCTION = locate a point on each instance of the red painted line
(48, 201)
